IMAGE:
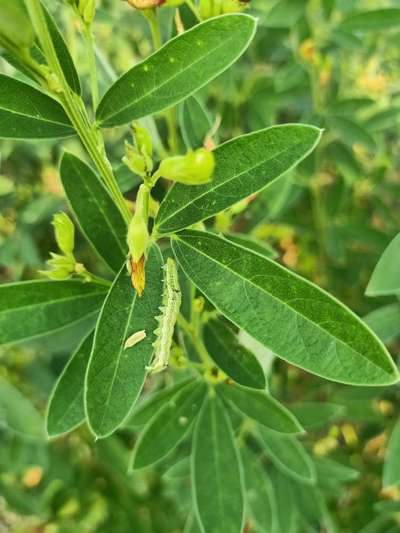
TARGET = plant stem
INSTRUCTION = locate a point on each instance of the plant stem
(75, 109)
(170, 116)
(94, 84)
(195, 339)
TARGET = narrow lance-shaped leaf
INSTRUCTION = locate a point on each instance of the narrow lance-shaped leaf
(26, 113)
(61, 50)
(231, 356)
(217, 479)
(115, 375)
(287, 518)
(181, 67)
(391, 468)
(379, 19)
(169, 426)
(244, 166)
(63, 55)
(99, 218)
(385, 321)
(386, 276)
(253, 244)
(289, 455)
(315, 414)
(66, 409)
(146, 409)
(262, 407)
(259, 492)
(18, 414)
(298, 321)
(331, 472)
(34, 308)
(194, 122)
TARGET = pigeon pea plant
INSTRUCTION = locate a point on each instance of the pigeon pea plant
(182, 297)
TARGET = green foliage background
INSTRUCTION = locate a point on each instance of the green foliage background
(329, 220)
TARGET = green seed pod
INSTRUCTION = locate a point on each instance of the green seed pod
(194, 168)
(65, 232)
(15, 26)
(138, 234)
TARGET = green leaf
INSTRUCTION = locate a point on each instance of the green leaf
(259, 493)
(115, 375)
(385, 279)
(262, 407)
(217, 479)
(18, 414)
(315, 414)
(288, 455)
(284, 14)
(244, 166)
(181, 67)
(253, 244)
(145, 410)
(377, 20)
(169, 426)
(231, 356)
(66, 410)
(194, 122)
(286, 508)
(391, 467)
(98, 217)
(33, 308)
(289, 315)
(331, 471)
(26, 113)
(62, 52)
(351, 132)
(385, 322)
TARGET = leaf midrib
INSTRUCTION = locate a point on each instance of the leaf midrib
(167, 81)
(109, 224)
(234, 177)
(50, 302)
(35, 118)
(293, 310)
(118, 362)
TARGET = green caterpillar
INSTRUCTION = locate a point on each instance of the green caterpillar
(167, 320)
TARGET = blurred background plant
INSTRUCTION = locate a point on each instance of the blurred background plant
(313, 61)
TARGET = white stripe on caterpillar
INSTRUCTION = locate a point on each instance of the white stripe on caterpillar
(166, 321)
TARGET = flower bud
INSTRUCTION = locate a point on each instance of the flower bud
(62, 267)
(145, 4)
(65, 232)
(142, 139)
(194, 168)
(87, 10)
(234, 6)
(15, 26)
(135, 161)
